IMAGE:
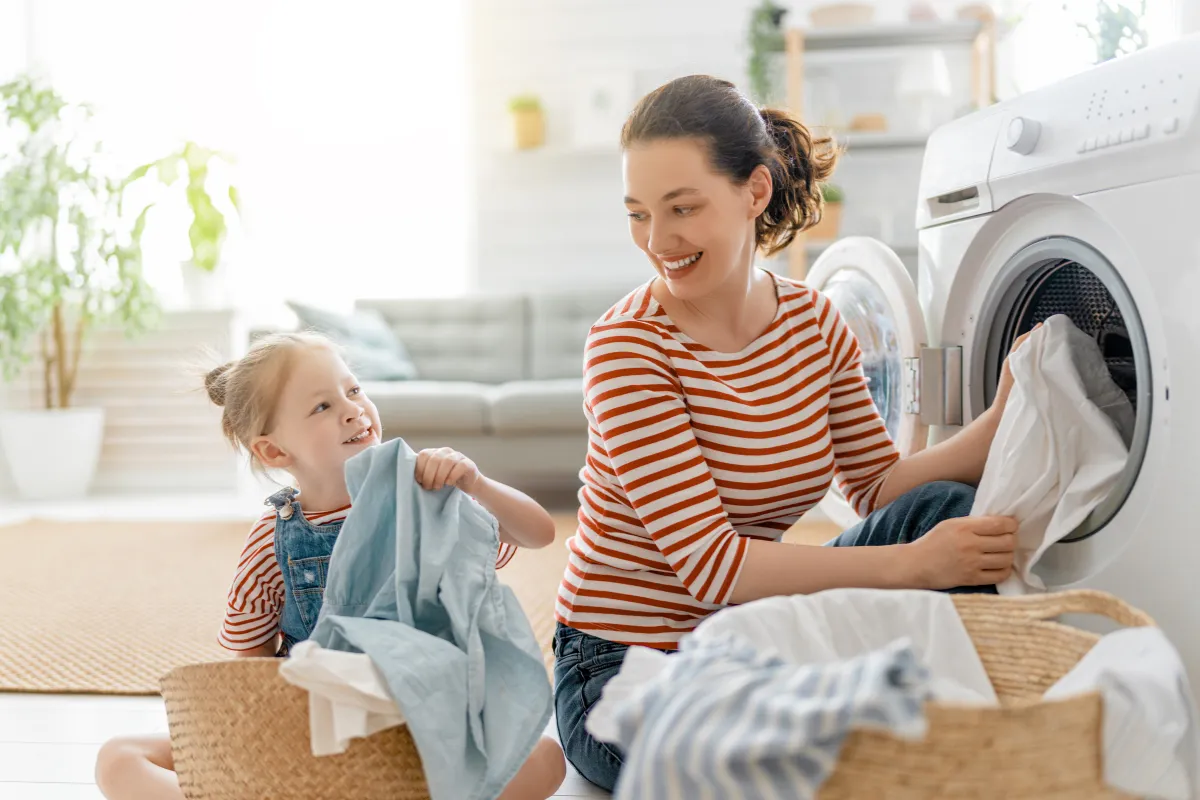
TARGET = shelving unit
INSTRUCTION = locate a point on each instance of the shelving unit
(804, 46)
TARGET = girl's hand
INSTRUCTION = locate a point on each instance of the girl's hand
(440, 467)
(1004, 387)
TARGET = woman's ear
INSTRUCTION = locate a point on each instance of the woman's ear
(269, 454)
(761, 189)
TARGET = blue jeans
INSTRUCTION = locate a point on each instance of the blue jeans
(584, 663)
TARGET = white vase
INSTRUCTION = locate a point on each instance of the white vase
(52, 454)
(203, 289)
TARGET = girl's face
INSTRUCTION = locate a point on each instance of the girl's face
(695, 225)
(322, 419)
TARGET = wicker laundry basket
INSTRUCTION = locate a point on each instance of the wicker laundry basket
(1026, 748)
(240, 732)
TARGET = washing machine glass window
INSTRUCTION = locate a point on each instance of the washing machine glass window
(1066, 276)
(867, 313)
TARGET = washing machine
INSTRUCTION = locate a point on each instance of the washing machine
(1083, 199)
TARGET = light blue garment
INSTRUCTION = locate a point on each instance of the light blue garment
(412, 583)
(726, 720)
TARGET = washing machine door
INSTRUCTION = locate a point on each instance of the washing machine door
(871, 288)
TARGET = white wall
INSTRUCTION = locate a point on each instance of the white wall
(554, 219)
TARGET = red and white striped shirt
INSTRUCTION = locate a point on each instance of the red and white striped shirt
(691, 451)
(254, 606)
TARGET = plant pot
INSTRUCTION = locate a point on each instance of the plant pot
(52, 454)
(203, 289)
(529, 129)
(831, 222)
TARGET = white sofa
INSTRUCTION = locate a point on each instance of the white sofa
(500, 379)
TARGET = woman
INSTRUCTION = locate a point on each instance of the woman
(722, 401)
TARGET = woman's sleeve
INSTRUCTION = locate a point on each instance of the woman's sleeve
(863, 452)
(638, 409)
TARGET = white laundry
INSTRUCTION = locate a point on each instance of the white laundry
(348, 697)
(823, 628)
(1151, 736)
(1060, 447)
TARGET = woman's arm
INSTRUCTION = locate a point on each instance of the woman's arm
(970, 551)
(960, 458)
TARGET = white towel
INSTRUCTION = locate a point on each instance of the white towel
(347, 696)
(1060, 447)
(1151, 738)
(843, 623)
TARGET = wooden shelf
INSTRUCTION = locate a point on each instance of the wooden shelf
(801, 44)
(921, 34)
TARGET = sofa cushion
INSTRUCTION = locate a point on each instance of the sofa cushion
(481, 339)
(370, 345)
(554, 406)
(429, 406)
(558, 327)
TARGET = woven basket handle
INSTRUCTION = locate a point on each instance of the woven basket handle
(1087, 601)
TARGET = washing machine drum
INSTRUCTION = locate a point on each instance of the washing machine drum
(1065, 276)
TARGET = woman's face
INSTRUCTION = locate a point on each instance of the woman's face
(695, 225)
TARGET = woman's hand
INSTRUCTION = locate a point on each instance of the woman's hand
(967, 551)
(440, 467)
(1004, 387)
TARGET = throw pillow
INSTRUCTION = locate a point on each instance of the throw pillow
(371, 347)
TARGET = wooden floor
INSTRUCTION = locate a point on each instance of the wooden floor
(48, 743)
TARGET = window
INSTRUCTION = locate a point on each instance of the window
(348, 122)
(1048, 45)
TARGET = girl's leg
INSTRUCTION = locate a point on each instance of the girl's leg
(910, 517)
(582, 665)
(138, 769)
(541, 775)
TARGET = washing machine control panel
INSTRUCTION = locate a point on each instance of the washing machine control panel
(1146, 99)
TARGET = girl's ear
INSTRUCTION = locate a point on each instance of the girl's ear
(269, 454)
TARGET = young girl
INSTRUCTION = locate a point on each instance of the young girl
(293, 404)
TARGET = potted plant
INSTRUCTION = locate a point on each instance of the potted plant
(831, 215)
(766, 64)
(1117, 29)
(69, 260)
(529, 122)
(207, 228)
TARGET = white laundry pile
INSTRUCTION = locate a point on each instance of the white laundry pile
(1061, 445)
(348, 697)
(840, 639)
(1151, 737)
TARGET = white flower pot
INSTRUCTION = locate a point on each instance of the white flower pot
(52, 455)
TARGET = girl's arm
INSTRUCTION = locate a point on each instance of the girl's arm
(523, 523)
(268, 650)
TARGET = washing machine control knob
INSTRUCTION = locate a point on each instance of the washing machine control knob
(1023, 135)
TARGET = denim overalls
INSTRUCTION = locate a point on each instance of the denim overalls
(302, 550)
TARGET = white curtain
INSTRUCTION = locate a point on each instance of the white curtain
(347, 121)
